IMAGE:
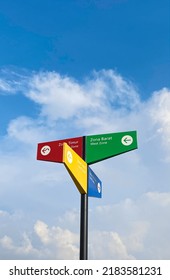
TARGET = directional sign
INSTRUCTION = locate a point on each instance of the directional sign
(76, 167)
(94, 184)
(53, 151)
(103, 146)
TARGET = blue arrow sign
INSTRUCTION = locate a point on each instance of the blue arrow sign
(94, 184)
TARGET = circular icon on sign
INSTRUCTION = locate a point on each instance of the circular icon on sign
(45, 150)
(69, 157)
(127, 140)
(99, 188)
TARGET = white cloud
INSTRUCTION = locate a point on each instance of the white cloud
(42, 231)
(141, 225)
(5, 87)
(63, 242)
(162, 199)
(60, 97)
(7, 242)
(66, 104)
(91, 103)
(54, 243)
(107, 245)
(135, 240)
(160, 114)
(27, 130)
(11, 81)
(130, 229)
(24, 250)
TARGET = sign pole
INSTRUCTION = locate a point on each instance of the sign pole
(84, 219)
(84, 227)
(77, 153)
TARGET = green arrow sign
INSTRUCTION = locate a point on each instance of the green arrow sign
(103, 146)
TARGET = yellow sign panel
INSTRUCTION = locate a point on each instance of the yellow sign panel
(76, 167)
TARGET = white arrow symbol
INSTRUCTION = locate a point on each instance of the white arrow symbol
(45, 150)
(127, 140)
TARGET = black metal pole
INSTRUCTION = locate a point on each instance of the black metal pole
(84, 220)
(84, 227)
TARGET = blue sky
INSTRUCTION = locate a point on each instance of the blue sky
(80, 67)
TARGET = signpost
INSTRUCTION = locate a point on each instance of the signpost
(76, 154)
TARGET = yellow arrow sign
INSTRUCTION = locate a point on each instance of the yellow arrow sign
(76, 167)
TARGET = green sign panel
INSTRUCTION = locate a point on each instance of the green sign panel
(103, 146)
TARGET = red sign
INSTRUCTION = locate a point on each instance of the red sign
(53, 150)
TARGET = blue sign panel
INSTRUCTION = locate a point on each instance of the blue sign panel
(94, 184)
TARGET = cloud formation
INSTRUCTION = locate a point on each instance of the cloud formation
(132, 216)
(130, 229)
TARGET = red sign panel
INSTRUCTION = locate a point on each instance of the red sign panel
(53, 151)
